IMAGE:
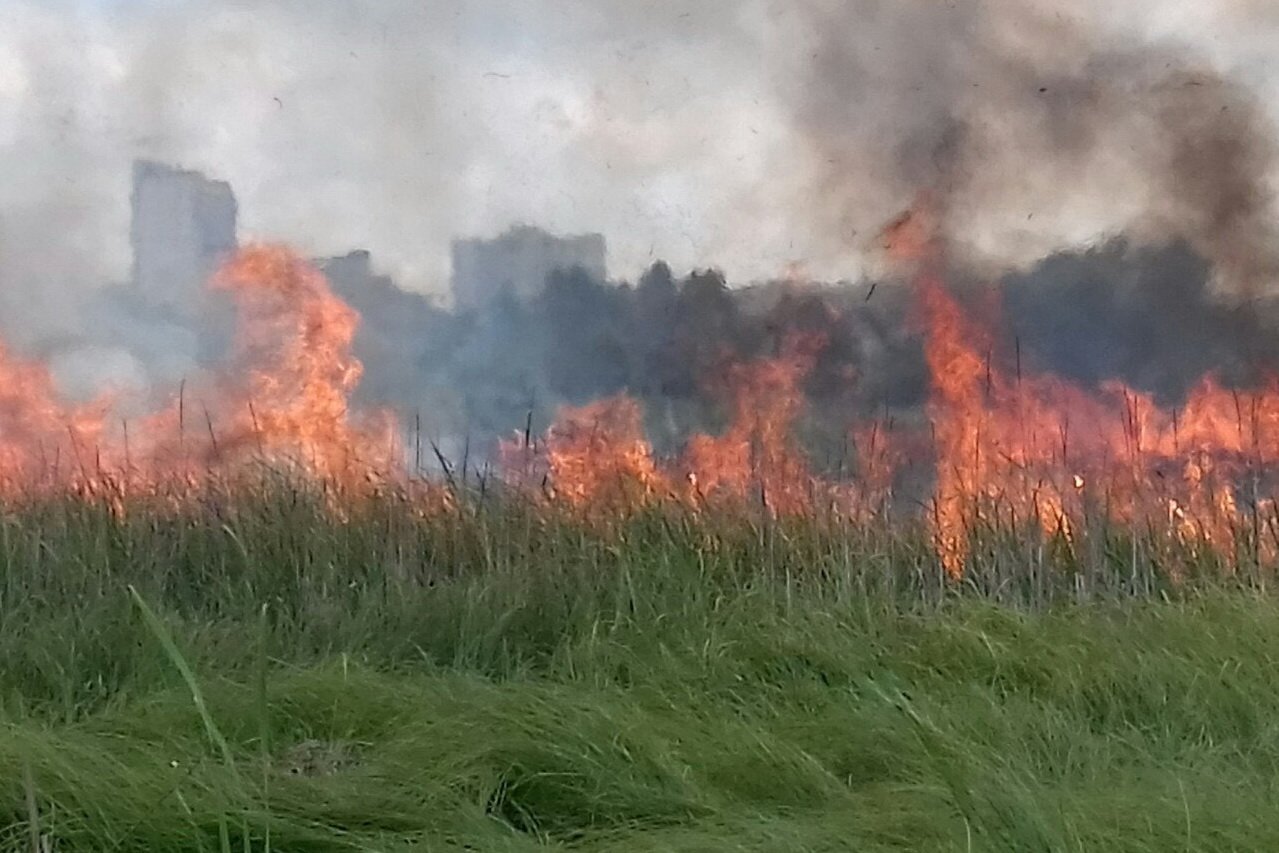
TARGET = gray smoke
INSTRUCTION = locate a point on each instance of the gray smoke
(1008, 111)
(393, 126)
(683, 129)
(740, 135)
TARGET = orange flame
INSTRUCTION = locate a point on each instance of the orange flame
(596, 458)
(286, 393)
(757, 457)
(41, 439)
(295, 371)
(1034, 446)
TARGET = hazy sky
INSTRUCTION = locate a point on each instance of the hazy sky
(397, 125)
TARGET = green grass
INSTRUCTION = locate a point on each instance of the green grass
(254, 674)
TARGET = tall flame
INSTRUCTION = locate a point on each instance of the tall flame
(294, 371)
(598, 457)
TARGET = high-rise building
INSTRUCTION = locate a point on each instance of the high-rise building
(183, 227)
(518, 262)
(401, 337)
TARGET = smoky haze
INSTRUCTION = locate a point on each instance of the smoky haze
(1119, 157)
(697, 132)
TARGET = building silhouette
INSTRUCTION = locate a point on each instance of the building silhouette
(183, 227)
(518, 263)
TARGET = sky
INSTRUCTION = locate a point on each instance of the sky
(396, 126)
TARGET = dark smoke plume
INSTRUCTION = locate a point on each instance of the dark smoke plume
(1004, 111)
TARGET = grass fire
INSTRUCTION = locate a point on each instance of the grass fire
(925, 496)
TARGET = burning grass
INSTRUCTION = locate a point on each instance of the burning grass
(999, 450)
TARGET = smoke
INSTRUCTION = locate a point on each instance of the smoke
(1143, 315)
(738, 135)
(1026, 125)
(691, 131)
(393, 127)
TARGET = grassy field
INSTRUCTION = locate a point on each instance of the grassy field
(255, 674)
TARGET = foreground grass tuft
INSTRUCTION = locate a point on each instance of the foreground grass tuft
(498, 679)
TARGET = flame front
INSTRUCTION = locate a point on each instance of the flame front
(1008, 449)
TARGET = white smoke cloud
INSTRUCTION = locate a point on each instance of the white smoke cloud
(398, 125)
